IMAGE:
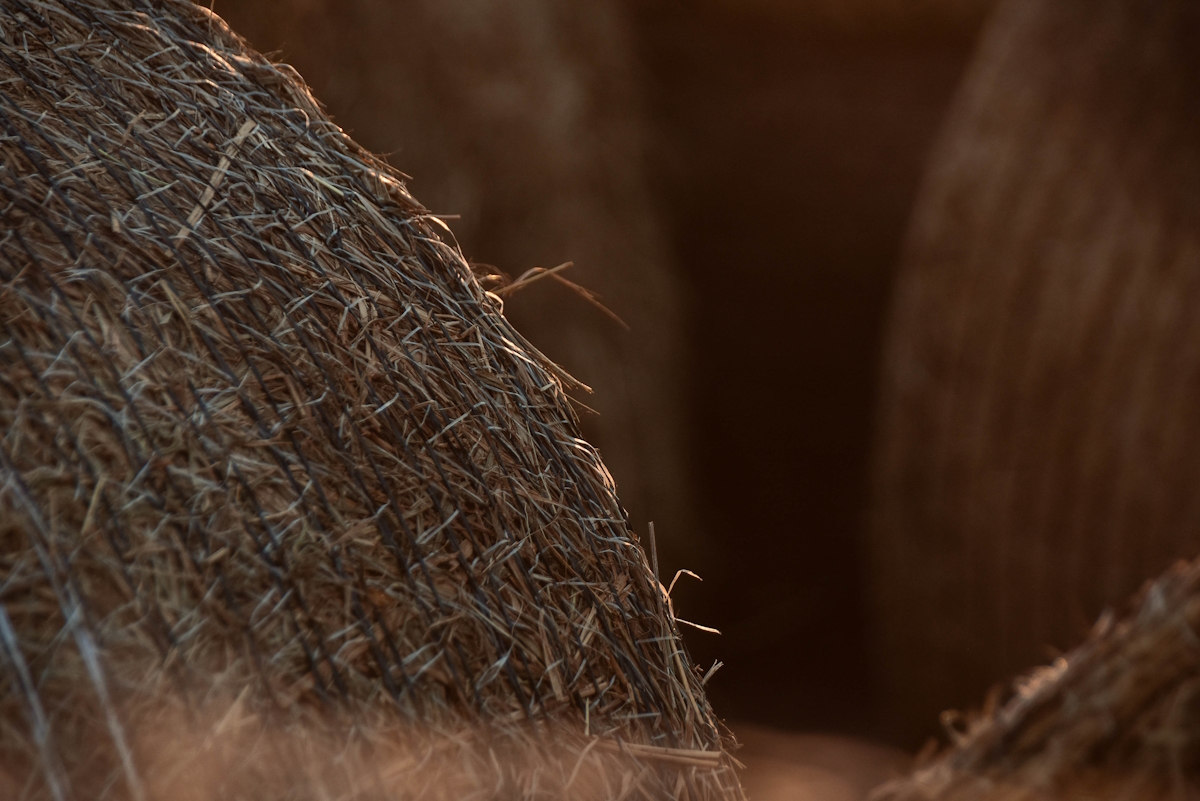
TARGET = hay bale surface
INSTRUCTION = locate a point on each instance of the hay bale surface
(1038, 442)
(1117, 718)
(524, 117)
(288, 508)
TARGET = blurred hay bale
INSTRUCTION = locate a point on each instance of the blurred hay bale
(288, 508)
(873, 17)
(523, 117)
(1038, 444)
(1117, 718)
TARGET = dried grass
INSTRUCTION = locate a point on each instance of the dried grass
(266, 438)
(525, 118)
(1117, 718)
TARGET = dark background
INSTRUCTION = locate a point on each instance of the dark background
(789, 155)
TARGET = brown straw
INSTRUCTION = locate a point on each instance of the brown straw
(1117, 718)
(287, 508)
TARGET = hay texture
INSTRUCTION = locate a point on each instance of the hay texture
(1039, 446)
(1117, 718)
(524, 118)
(288, 508)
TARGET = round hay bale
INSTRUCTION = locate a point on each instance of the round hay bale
(524, 118)
(1117, 718)
(288, 508)
(1038, 444)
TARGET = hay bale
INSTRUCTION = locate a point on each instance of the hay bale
(288, 508)
(524, 117)
(1038, 443)
(875, 17)
(1117, 718)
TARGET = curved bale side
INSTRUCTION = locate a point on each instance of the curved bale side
(1116, 718)
(1038, 446)
(524, 117)
(288, 508)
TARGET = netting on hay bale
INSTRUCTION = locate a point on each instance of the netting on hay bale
(288, 509)
(1117, 718)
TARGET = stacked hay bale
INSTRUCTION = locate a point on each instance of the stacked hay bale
(288, 508)
(1117, 718)
(523, 117)
(1038, 444)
